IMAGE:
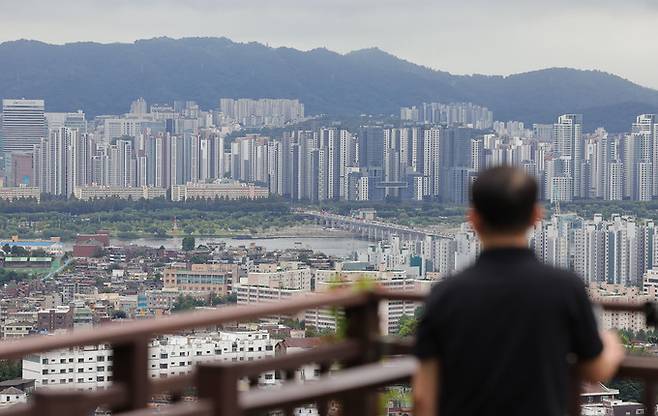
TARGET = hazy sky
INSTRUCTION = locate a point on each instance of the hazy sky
(463, 37)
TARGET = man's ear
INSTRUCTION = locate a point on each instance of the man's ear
(537, 214)
(474, 219)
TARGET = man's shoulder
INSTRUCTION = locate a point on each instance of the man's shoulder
(541, 273)
(557, 276)
(454, 282)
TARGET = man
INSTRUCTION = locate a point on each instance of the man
(499, 338)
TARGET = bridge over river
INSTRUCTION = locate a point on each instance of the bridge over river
(370, 229)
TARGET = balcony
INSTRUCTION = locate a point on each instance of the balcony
(366, 360)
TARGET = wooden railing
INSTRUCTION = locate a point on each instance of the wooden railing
(366, 361)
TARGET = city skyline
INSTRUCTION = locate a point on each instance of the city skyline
(436, 151)
(583, 24)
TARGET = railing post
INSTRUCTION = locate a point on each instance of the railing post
(50, 402)
(130, 369)
(218, 383)
(649, 397)
(363, 326)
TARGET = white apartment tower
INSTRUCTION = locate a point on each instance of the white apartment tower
(568, 142)
(23, 125)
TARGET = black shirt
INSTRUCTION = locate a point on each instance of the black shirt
(504, 331)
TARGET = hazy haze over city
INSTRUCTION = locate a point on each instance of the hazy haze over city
(469, 37)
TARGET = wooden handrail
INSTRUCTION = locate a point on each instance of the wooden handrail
(359, 354)
(126, 332)
(367, 376)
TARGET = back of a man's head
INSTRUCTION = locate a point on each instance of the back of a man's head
(504, 198)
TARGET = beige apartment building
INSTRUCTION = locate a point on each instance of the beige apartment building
(85, 193)
(200, 278)
(222, 190)
(606, 292)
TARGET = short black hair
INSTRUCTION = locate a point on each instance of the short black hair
(504, 197)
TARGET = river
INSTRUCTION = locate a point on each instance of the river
(335, 246)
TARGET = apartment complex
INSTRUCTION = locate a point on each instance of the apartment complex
(90, 368)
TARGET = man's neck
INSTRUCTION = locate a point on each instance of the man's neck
(491, 242)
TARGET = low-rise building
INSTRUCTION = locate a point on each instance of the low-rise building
(52, 246)
(612, 293)
(85, 193)
(11, 396)
(54, 319)
(17, 329)
(200, 278)
(390, 311)
(289, 276)
(20, 192)
(222, 189)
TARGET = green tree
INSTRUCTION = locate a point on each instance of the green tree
(187, 302)
(312, 332)
(19, 251)
(10, 369)
(408, 326)
(189, 243)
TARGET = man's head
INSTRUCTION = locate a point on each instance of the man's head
(503, 203)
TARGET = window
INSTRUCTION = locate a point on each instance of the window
(162, 356)
(163, 366)
(100, 368)
(81, 380)
(81, 370)
(44, 361)
(268, 348)
(81, 360)
(63, 370)
(100, 378)
(62, 360)
(44, 372)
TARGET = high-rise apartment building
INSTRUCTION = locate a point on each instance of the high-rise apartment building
(23, 125)
(568, 142)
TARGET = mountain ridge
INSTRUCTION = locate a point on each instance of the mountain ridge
(103, 78)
